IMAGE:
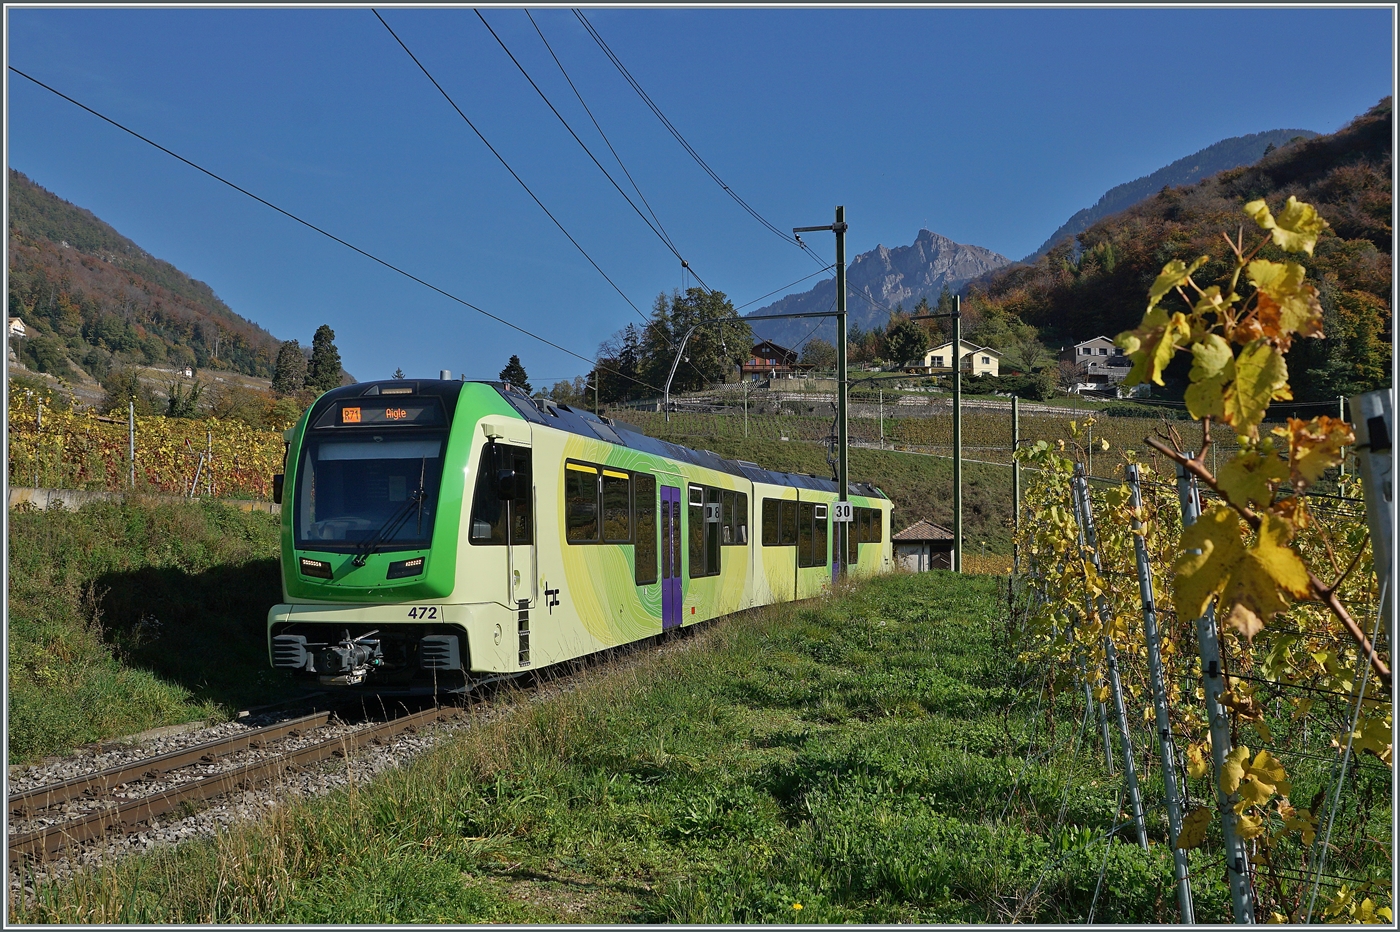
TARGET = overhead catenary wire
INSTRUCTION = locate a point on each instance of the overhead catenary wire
(666, 241)
(501, 159)
(311, 226)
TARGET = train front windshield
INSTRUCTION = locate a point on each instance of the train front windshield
(368, 488)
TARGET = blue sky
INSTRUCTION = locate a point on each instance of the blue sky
(989, 126)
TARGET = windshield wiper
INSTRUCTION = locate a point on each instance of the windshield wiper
(390, 527)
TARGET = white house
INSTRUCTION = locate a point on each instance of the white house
(1100, 365)
(976, 360)
(17, 328)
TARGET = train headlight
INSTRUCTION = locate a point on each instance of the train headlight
(318, 568)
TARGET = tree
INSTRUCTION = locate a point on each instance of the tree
(1069, 374)
(1026, 357)
(324, 372)
(619, 366)
(289, 376)
(398, 373)
(123, 386)
(820, 354)
(905, 341)
(714, 351)
(181, 402)
(566, 392)
(514, 373)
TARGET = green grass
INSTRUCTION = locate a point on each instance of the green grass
(864, 757)
(128, 616)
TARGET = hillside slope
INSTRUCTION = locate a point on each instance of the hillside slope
(1345, 175)
(92, 298)
(879, 280)
(1222, 156)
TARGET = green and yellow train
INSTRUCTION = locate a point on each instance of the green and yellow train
(436, 532)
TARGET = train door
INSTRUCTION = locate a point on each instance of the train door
(671, 597)
(524, 576)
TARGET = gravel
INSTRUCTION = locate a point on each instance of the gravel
(316, 780)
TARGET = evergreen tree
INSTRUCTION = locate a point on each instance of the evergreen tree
(714, 351)
(290, 373)
(324, 372)
(514, 373)
(905, 341)
(398, 373)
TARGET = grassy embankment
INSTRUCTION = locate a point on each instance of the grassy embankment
(879, 757)
(130, 616)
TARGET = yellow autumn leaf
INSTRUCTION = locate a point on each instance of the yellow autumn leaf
(1216, 535)
(1374, 736)
(1193, 828)
(1174, 273)
(1261, 376)
(1286, 304)
(1295, 229)
(1265, 571)
(1234, 769)
(1251, 476)
(1298, 820)
(1212, 366)
(1102, 693)
(1248, 826)
(1314, 447)
(1196, 763)
(1152, 345)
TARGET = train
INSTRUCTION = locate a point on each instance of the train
(438, 532)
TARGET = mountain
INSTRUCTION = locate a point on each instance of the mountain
(879, 280)
(1222, 156)
(93, 299)
(1098, 284)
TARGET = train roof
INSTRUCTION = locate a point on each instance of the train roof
(547, 413)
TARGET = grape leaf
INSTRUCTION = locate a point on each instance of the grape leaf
(1193, 828)
(1212, 365)
(1261, 376)
(1173, 274)
(1216, 535)
(1286, 304)
(1256, 579)
(1247, 826)
(1152, 345)
(1298, 820)
(1314, 447)
(1296, 229)
(1251, 476)
(1233, 771)
(1196, 764)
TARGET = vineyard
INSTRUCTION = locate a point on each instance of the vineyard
(1245, 701)
(81, 450)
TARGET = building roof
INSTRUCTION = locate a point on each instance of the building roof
(966, 347)
(758, 350)
(924, 529)
(1093, 339)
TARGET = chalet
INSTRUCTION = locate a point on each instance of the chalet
(1100, 365)
(976, 360)
(17, 328)
(768, 360)
(924, 546)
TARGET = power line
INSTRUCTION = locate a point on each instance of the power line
(502, 160)
(311, 226)
(622, 69)
(785, 287)
(664, 239)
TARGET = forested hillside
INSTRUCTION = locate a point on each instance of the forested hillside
(1346, 176)
(92, 298)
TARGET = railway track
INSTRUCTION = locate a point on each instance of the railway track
(109, 805)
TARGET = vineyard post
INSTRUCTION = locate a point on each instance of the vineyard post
(882, 419)
(1159, 702)
(1373, 415)
(209, 460)
(1342, 416)
(131, 439)
(39, 440)
(1236, 858)
(957, 436)
(1015, 485)
(1088, 540)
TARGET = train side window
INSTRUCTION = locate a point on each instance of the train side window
(488, 521)
(644, 489)
(879, 525)
(741, 518)
(788, 525)
(581, 503)
(805, 533)
(853, 538)
(617, 507)
(695, 531)
(819, 536)
(865, 537)
(771, 535)
(714, 519)
(727, 522)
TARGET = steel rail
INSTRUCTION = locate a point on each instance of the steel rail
(127, 817)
